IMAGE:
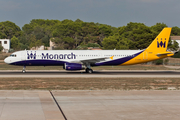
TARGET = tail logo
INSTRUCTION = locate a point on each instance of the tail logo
(161, 44)
(31, 55)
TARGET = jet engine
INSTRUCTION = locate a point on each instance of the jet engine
(73, 66)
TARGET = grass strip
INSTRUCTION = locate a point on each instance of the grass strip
(89, 83)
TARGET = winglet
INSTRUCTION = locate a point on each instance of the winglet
(111, 57)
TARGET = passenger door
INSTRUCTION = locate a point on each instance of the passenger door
(23, 55)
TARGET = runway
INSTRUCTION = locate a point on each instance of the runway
(89, 105)
(95, 74)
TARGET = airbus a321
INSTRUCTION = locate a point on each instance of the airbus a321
(85, 59)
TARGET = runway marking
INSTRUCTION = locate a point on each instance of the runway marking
(58, 105)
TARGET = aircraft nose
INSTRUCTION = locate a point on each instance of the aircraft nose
(6, 60)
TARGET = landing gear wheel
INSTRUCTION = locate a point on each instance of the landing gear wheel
(23, 71)
(89, 70)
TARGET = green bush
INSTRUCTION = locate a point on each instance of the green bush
(1, 47)
(93, 45)
(158, 62)
(166, 61)
(176, 55)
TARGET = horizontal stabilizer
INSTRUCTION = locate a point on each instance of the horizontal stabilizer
(164, 53)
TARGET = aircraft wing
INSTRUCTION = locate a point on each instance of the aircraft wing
(91, 61)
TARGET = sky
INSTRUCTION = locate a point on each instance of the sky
(116, 13)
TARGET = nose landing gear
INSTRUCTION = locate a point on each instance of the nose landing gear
(24, 69)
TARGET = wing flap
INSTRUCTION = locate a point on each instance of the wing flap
(91, 61)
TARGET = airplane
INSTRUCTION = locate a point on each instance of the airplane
(85, 59)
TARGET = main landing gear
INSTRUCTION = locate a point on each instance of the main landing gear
(89, 70)
(24, 69)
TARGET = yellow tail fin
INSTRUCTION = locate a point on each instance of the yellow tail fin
(156, 50)
(160, 43)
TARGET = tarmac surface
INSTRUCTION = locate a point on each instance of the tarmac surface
(89, 105)
(95, 74)
(28, 105)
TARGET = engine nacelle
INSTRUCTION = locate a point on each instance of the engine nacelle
(73, 66)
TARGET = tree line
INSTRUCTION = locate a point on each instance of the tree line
(68, 34)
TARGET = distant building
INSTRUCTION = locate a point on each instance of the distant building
(38, 48)
(42, 47)
(52, 44)
(6, 44)
(176, 38)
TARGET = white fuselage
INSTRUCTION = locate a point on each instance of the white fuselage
(59, 57)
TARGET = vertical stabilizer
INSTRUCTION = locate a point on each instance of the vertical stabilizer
(160, 43)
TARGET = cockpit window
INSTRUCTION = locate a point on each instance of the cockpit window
(13, 55)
